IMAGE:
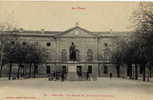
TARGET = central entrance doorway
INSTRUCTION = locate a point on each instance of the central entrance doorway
(79, 71)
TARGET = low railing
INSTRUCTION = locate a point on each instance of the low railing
(82, 62)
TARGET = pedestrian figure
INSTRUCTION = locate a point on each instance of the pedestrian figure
(110, 75)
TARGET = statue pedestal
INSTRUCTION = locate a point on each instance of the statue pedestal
(72, 71)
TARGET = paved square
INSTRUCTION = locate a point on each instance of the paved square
(102, 89)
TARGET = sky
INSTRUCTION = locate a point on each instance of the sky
(60, 16)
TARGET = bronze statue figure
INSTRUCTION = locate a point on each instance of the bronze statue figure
(72, 52)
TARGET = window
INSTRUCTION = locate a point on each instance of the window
(64, 69)
(48, 44)
(105, 69)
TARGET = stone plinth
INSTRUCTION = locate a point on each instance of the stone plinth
(72, 71)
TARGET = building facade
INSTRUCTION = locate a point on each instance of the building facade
(93, 51)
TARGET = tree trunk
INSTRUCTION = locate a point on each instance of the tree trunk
(136, 72)
(30, 69)
(144, 72)
(18, 74)
(130, 71)
(23, 70)
(148, 73)
(1, 69)
(1, 60)
(10, 71)
(35, 66)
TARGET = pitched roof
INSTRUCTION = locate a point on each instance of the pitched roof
(60, 33)
(77, 27)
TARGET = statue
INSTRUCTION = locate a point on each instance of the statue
(72, 52)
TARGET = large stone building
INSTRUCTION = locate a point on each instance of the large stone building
(93, 51)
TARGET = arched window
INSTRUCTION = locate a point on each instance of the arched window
(89, 55)
(64, 55)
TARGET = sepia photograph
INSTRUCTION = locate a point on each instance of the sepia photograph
(76, 50)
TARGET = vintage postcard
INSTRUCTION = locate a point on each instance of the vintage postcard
(76, 50)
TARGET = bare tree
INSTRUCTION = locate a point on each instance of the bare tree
(22, 54)
(119, 53)
(129, 54)
(4, 38)
(143, 35)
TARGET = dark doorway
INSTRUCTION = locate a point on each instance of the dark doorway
(89, 72)
(64, 69)
(90, 69)
(48, 69)
(118, 70)
(105, 69)
(129, 70)
(36, 69)
(79, 71)
(63, 73)
(141, 69)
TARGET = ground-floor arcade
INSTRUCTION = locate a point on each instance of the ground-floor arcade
(72, 70)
